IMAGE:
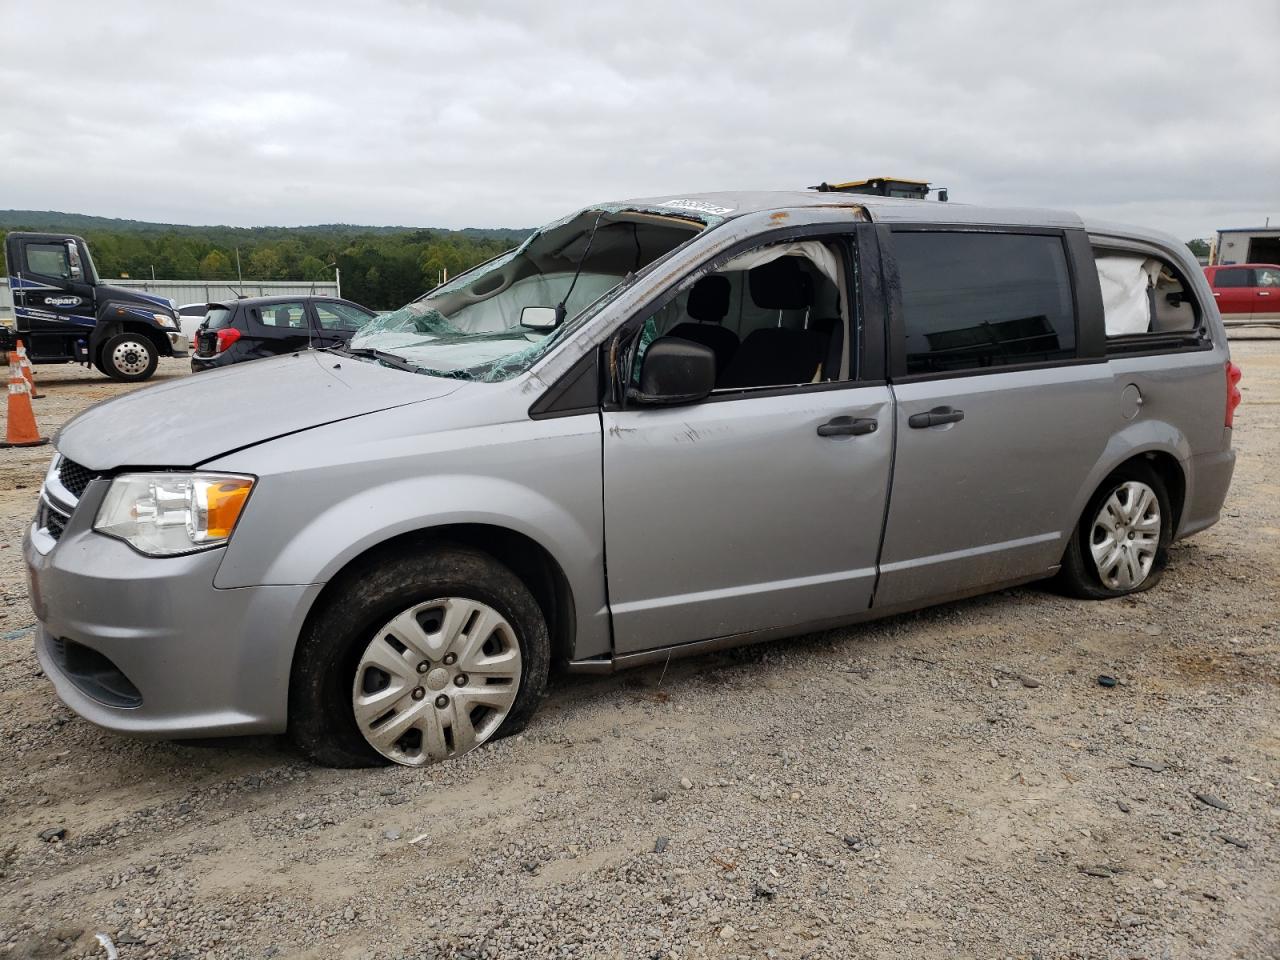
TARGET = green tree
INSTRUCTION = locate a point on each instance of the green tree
(215, 266)
(313, 268)
(266, 264)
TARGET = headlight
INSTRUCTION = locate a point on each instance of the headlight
(165, 321)
(161, 514)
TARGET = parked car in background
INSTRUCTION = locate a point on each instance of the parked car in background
(790, 411)
(256, 327)
(190, 316)
(1246, 292)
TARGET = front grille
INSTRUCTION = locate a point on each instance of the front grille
(50, 519)
(75, 477)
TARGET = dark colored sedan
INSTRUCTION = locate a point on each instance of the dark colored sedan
(258, 327)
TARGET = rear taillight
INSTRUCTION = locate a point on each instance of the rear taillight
(226, 337)
(1234, 374)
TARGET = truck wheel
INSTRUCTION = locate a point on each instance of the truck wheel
(130, 357)
(417, 659)
(1121, 544)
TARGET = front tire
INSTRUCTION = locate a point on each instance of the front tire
(416, 659)
(129, 357)
(1121, 544)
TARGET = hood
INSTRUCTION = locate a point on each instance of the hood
(197, 418)
(126, 295)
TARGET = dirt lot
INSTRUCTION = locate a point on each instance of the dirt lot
(952, 783)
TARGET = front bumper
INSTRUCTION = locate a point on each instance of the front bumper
(203, 661)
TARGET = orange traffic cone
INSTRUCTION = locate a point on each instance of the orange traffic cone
(21, 430)
(28, 372)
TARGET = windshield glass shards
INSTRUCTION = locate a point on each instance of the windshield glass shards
(475, 327)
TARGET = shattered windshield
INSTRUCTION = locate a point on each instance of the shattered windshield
(470, 328)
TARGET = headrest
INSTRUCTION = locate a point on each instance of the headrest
(780, 285)
(709, 299)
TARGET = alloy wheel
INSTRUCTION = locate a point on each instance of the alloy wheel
(436, 681)
(1125, 535)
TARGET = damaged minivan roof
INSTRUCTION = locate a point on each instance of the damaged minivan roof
(716, 207)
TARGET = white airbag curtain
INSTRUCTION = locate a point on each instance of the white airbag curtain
(1126, 302)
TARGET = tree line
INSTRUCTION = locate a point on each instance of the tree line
(382, 267)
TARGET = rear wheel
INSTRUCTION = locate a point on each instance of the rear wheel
(128, 356)
(1121, 544)
(419, 659)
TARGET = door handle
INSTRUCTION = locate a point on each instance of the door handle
(847, 427)
(1264, 293)
(935, 417)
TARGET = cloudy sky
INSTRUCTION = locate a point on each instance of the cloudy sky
(509, 114)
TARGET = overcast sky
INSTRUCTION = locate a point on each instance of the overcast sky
(510, 114)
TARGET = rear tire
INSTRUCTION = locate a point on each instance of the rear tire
(1121, 544)
(128, 357)
(333, 705)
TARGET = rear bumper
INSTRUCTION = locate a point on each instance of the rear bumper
(193, 659)
(199, 363)
(1209, 478)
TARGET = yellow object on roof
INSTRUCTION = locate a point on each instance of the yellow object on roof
(877, 181)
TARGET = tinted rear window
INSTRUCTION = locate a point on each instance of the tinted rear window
(1235, 277)
(976, 300)
(217, 318)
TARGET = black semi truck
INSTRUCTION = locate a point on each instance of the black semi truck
(64, 314)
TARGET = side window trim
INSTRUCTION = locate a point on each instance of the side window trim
(1086, 347)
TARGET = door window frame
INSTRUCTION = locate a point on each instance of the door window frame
(1250, 274)
(314, 306)
(864, 293)
(256, 319)
(61, 282)
(1086, 300)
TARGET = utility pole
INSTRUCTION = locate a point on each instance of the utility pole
(239, 278)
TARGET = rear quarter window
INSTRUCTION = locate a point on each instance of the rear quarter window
(1148, 303)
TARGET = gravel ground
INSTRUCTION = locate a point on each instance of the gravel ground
(949, 783)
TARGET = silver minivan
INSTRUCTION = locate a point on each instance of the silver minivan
(656, 428)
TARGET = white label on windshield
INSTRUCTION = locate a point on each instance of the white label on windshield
(701, 206)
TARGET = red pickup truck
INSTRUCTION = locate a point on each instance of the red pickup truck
(1246, 292)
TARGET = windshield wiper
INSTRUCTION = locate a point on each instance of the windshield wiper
(389, 359)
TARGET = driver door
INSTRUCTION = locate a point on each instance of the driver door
(49, 295)
(745, 511)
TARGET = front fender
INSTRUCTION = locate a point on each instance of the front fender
(325, 497)
(115, 317)
(346, 529)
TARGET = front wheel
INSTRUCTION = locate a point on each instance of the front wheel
(1121, 544)
(418, 659)
(130, 357)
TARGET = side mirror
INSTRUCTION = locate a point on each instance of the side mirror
(538, 318)
(675, 371)
(73, 260)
